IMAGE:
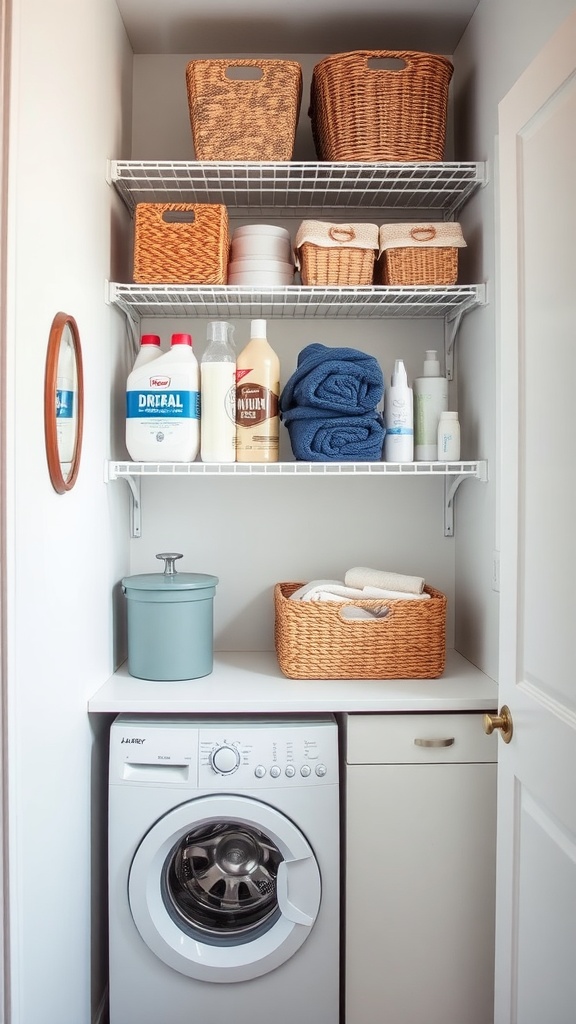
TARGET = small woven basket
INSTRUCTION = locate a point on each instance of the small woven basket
(313, 641)
(338, 254)
(421, 258)
(244, 118)
(180, 243)
(363, 113)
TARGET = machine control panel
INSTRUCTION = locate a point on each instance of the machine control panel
(206, 752)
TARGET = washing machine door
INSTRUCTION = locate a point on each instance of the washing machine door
(224, 888)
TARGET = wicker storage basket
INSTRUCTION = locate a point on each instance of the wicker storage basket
(364, 113)
(313, 641)
(419, 254)
(244, 118)
(339, 254)
(180, 243)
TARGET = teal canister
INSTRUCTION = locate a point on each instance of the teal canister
(170, 622)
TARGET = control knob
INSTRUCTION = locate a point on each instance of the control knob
(225, 759)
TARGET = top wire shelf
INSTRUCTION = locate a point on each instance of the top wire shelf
(434, 186)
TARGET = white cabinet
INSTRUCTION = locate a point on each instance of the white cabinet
(420, 814)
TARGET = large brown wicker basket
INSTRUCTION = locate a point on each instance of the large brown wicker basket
(180, 243)
(313, 641)
(244, 118)
(364, 113)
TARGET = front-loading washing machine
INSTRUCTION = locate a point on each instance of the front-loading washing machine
(224, 870)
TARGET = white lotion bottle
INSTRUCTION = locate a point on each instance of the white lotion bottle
(430, 400)
(218, 395)
(449, 437)
(163, 406)
(399, 417)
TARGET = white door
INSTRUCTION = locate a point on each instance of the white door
(536, 886)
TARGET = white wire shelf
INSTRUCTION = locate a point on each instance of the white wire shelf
(443, 187)
(294, 301)
(116, 470)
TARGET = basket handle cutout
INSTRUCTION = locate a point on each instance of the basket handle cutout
(379, 613)
(342, 233)
(386, 64)
(423, 234)
(179, 216)
(239, 73)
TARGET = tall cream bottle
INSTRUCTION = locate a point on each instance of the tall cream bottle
(257, 393)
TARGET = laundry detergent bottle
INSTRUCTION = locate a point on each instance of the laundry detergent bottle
(257, 391)
(149, 350)
(163, 406)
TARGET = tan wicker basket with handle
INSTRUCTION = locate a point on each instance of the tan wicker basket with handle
(419, 254)
(336, 254)
(360, 112)
(314, 641)
(244, 118)
(180, 243)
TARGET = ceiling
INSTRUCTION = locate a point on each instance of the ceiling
(266, 27)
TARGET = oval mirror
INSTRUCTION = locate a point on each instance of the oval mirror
(63, 402)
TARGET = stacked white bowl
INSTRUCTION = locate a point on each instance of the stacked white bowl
(260, 254)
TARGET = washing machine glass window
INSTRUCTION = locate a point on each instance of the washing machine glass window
(219, 882)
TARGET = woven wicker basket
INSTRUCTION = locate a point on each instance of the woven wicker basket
(180, 243)
(244, 118)
(338, 254)
(363, 113)
(313, 641)
(413, 254)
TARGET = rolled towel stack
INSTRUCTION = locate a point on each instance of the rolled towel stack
(329, 406)
(362, 578)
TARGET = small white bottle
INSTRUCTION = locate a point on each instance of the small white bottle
(430, 400)
(449, 437)
(218, 395)
(149, 350)
(163, 406)
(399, 417)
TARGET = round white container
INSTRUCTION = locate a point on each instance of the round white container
(261, 229)
(261, 277)
(261, 246)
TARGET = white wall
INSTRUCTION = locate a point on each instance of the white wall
(71, 102)
(499, 43)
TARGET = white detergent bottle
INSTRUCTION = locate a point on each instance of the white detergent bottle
(430, 400)
(149, 350)
(257, 391)
(218, 395)
(399, 417)
(163, 406)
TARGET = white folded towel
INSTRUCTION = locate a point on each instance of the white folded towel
(361, 577)
(334, 590)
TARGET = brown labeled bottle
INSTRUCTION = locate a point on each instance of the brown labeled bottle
(257, 392)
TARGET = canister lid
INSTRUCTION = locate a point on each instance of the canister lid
(169, 579)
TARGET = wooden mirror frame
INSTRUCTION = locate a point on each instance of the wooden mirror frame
(62, 482)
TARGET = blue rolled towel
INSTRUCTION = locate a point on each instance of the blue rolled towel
(336, 380)
(317, 438)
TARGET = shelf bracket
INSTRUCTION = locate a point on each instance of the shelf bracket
(134, 483)
(451, 328)
(451, 485)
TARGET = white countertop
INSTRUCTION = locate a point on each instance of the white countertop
(252, 682)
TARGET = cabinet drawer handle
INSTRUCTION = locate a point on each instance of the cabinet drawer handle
(434, 743)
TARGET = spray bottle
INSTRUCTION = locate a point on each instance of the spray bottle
(398, 417)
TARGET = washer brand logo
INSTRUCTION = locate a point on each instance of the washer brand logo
(127, 739)
(160, 382)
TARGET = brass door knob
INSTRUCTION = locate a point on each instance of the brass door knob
(503, 721)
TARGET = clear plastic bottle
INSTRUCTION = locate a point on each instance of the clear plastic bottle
(149, 350)
(430, 400)
(218, 395)
(163, 406)
(399, 417)
(257, 393)
(449, 437)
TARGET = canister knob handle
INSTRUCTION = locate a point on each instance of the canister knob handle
(169, 559)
